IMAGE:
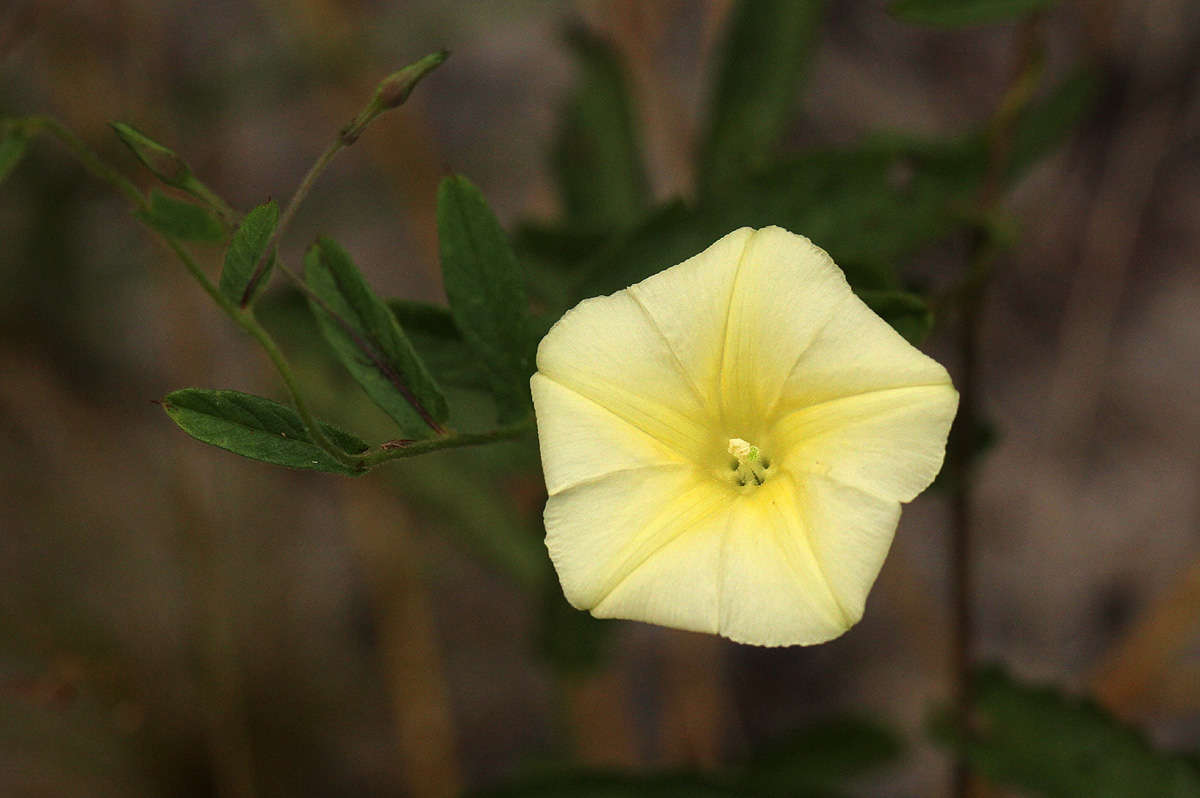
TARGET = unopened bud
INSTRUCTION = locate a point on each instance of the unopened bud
(164, 163)
(395, 88)
(391, 93)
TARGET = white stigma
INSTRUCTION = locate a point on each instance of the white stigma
(744, 451)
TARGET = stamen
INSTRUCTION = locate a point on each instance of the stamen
(749, 465)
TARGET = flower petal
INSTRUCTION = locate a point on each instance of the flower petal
(608, 350)
(581, 441)
(600, 533)
(774, 591)
(786, 290)
(741, 566)
(856, 352)
(851, 532)
(689, 304)
(888, 443)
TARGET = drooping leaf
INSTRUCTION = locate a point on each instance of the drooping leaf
(239, 280)
(440, 343)
(766, 47)
(909, 314)
(823, 755)
(487, 296)
(964, 13)
(164, 162)
(868, 207)
(1041, 740)
(257, 428)
(180, 219)
(13, 143)
(597, 155)
(1048, 122)
(369, 342)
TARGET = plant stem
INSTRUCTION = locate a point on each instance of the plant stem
(395, 450)
(244, 318)
(289, 211)
(971, 295)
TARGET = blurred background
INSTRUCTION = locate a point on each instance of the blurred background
(175, 620)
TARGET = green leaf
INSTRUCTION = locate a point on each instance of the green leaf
(823, 755)
(908, 314)
(366, 338)
(868, 207)
(766, 47)
(487, 296)
(1041, 740)
(180, 219)
(560, 247)
(240, 281)
(166, 165)
(12, 148)
(964, 13)
(1047, 123)
(440, 344)
(257, 428)
(597, 157)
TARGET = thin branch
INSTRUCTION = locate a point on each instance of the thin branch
(285, 218)
(971, 295)
(244, 318)
(395, 450)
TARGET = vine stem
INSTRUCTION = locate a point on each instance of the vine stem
(971, 295)
(394, 450)
(243, 317)
(289, 210)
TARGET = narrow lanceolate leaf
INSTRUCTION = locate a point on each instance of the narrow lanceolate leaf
(487, 296)
(257, 428)
(1043, 741)
(766, 47)
(13, 143)
(180, 219)
(597, 157)
(370, 344)
(964, 13)
(440, 344)
(240, 280)
(166, 165)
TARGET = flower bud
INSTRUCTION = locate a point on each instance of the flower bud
(164, 163)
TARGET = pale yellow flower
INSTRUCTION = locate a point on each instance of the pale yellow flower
(727, 443)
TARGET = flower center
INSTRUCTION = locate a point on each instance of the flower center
(749, 467)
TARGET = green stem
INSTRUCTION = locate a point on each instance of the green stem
(971, 295)
(228, 215)
(398, 449)
(289, 211)
(243, 318)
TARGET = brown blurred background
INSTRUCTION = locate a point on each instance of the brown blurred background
(175, 620)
